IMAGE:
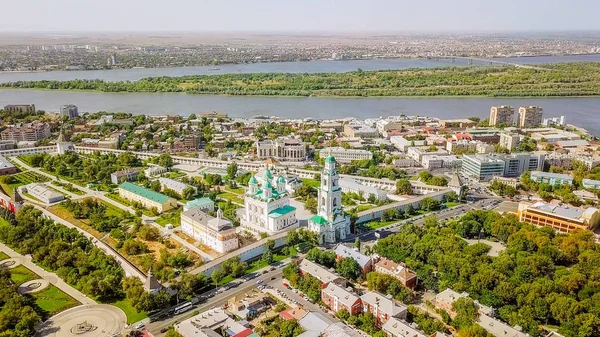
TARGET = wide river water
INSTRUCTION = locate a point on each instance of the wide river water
(583, 112)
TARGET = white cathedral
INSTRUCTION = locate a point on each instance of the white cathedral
(267, 208)
(331, 223)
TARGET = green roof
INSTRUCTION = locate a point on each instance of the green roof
(281, 211)
(281, 180)
(274, 195)
(267, 175)
(144, 192)
(330, 159)
(253, 181)
(199, 202)
(319, 220)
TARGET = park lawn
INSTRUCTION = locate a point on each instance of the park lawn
(452, 204)
(311, 182)
(68, 187)
(3, 255)
(238, 190)
(20, 275)
(132, 314)
(63, 213)
(379, 224)
(361, 208)
(173, 217)
(112, 209)
(53, 300)
(232, 197)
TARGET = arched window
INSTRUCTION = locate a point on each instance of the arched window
(334, 202)
(323, 202)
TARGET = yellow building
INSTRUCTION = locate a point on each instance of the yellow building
(146, 197)
(561, 219)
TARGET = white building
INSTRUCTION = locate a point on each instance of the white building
(352, 186)
(554, 121)
(281, 149)
(267, 209)
(174, 185)
(346, 156)
(331, 223)
(403, 144)
(217, 233)
(42, 193)
(155, 171)
(509, 141)
(432, 162)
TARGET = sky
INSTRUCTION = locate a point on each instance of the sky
(298, 15)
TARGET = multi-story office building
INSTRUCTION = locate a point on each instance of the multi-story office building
(502, 115)
(509, 141)
(281, 149)
(551, 178)
(486, 167)
(562, 219)
(345, 156)
(146, 197)
(30, 132)
(69, 110)
(29, 108)
(217, 233)
(530, 116)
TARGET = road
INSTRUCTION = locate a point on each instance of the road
(50, 277)
(307, 305)
(100, 195)
(240, 287)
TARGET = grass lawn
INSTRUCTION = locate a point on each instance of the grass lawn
(3, 256)
(311, 182)
(21, 274)
(132, 315)
(452, 204)
(361, 208)
(53, 300)
(230, 196)
(379, 224)
(238, 190)
(68, 187)
(173, 218)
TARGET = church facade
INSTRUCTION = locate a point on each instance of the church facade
(330, 223)
(267, 207)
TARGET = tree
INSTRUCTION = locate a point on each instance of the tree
(348, 268)
(311, 205)
(217, 276)
(165, 160)
(357, 244)
(270, 244)
(403, 186)
(430, 204)
(267, 257)
(232, 170)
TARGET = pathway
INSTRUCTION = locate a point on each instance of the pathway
(100, 195)
(50, 277)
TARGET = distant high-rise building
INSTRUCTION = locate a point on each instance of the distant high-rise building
(530, 116)
(69, 110)
(113, 59)
(29, 108)
(502, 115)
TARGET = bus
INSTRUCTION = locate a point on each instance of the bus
(182, 308)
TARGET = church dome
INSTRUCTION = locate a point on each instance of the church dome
(330, 159)
(281, 180)
(253, 181)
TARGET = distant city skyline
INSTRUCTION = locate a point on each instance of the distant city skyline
(299, 16)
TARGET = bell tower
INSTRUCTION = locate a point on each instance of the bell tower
(330, 193)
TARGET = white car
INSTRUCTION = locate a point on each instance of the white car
(140, 326)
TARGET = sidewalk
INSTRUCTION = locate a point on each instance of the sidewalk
(50, 277)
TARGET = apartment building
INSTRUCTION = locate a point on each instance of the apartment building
(28, 108)
(498, 328)
(281, 149)
(118, 177)
(397, 270)
(26, 132)
(191, 142)
(345, 156)
(551, 178)
(502, 115)
(564, 219)
(433, 162)
(402, 144)
(365, 262)
(321, 273)
(338, 298)
(217, 233)
(69, 110)
(382, 307)
(399, 328)
(147, 198)
(509, 141)
(530, 116)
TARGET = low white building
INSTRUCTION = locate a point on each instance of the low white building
(42, 193)
(217, 233)
(432, 162)
(352, 186)
(345, 156)
(174, 185)
(153, 171)
(281, 149)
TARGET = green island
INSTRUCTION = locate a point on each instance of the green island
(563, 79)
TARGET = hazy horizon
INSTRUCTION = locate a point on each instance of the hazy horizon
(310, 16)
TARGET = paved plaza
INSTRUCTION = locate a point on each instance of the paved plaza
(97, 320)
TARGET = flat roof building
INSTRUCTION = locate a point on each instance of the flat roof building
(345, 156)
(564, 219)
(6, 167)
(502, 115)
(551, 178)
(42, 193)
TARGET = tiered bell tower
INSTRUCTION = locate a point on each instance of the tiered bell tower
(330, 193)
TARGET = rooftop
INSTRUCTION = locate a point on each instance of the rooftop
(200, 202)
(572, 213)
(317, 271)
(281, 211)
(385, 304)
(343, 296)
(498, 328)
(344, 251)
(551, 175)
(143, 192)
(397, 327)
(4, 163)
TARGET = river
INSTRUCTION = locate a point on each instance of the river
(277, 67)
(583, 111)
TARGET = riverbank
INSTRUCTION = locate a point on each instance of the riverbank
(566, 80)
